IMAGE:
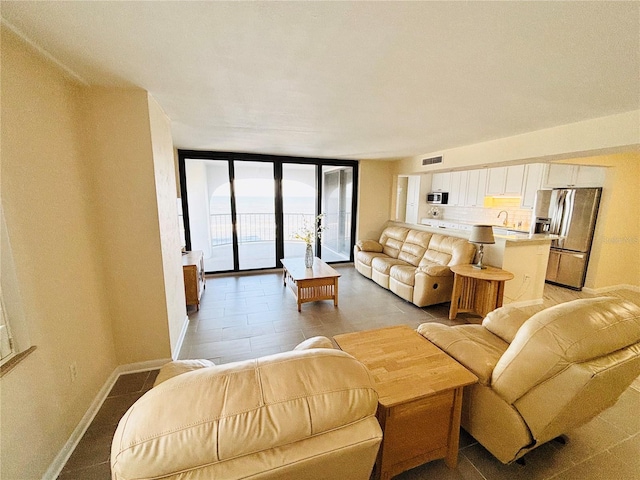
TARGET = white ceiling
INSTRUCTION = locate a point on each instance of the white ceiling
(354, 80)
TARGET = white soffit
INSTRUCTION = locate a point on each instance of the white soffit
(350, 79)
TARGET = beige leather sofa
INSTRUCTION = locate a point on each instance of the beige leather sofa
(413, 264)
(542, 376)
(308, 413)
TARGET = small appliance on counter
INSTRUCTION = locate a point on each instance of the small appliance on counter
(570, 213)
(438, 198)
(434, 212)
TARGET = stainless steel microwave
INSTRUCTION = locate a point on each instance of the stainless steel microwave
(439, 198)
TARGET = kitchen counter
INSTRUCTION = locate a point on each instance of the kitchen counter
(463, 230)
(527, 237)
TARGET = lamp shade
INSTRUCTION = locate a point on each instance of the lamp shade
(482, 234)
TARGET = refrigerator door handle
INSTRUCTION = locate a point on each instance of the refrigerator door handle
(556, 221)
(567, 210)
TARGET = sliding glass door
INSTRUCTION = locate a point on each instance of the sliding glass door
(299, 204)
(337, 199)
(255, 214)
(243, 210)
(210, 222)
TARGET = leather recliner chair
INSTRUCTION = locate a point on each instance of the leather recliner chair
(542, 376)
(308, 413)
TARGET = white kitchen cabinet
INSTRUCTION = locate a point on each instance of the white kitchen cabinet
(505, 180)
(533, 175)
(495, 180)
(441, 182)
(587, 176)
(457, 188)
(476, 188)
(559, 175)
(413, 199)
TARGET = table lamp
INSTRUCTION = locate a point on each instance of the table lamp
(482, 235)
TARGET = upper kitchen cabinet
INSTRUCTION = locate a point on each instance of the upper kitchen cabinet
(533, 176)
(505, 180)
(441, 182)
(559, 175)
(457, 188)
(476, 188)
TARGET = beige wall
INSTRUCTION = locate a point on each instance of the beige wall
(165, 187)
(615, 255)
(613, 133)
(57, 265)
(88, 198)
(123, 182)
(375, 193)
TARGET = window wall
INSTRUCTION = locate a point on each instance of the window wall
(243, 210)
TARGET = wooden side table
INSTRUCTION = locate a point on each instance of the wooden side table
(193, 273)
(419, 396)
(477, 291)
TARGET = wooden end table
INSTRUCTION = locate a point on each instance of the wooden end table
(419, 396)
(475, 290)
(319, 282)
(193, 274)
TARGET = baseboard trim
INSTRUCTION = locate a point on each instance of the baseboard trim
(63, 456)
(176, 351)
(597, 291)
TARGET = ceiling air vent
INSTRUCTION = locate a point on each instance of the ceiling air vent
(432, 160)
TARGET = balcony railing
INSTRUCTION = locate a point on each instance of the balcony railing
(260, 227)
(254, 227)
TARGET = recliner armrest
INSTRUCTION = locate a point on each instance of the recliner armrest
(473, 346)
(436, 270)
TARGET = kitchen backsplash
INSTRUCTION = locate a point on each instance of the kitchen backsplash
(486, 216)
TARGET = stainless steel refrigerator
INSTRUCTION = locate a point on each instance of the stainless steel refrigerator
(570, 213)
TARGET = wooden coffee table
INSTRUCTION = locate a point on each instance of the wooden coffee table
(420, 396)
(475, 290)
(310, 284)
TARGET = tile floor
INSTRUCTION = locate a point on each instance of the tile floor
(247, 316)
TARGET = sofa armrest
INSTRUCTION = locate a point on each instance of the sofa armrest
(369, 246)
(436, 270)
(477, 349)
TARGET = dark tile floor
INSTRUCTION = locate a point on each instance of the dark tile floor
(247, 316)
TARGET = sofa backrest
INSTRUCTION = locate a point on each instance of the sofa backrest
(414, 246)
(219, 414)
(448, 251)
(392, 239)
(555, 338)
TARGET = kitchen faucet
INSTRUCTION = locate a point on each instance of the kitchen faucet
(506, 218)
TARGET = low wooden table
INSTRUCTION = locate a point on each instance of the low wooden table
(477, 291)
(310, 284)
(419, 396)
